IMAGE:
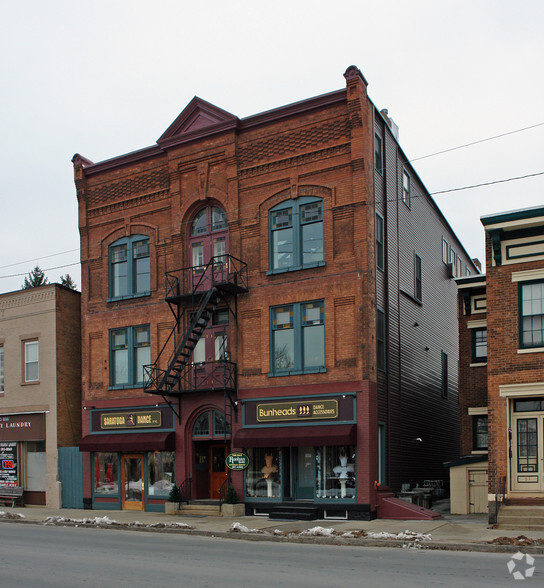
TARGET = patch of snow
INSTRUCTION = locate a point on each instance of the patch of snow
(319, 532)
(239, 528)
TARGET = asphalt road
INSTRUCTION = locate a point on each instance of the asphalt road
(42, 556)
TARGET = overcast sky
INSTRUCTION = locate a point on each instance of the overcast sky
(106, 77)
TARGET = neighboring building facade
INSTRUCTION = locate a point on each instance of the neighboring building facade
(312, 325)
(468, 475)
(515, 365)
(40, 388)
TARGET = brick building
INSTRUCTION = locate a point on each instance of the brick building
(40, 389)
(502, 370)
(468, 475)
(286, 279)
(515, 367)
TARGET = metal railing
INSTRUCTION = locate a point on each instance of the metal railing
(500, 495)
(223, 490)
(185, 490)
(221, 270)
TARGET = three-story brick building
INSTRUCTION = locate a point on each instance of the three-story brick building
(285, 279)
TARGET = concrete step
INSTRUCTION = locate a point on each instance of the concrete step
(515, 520)
(201, 509)
(507, 527)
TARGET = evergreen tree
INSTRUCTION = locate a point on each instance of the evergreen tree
(35, 278)
(68, 282)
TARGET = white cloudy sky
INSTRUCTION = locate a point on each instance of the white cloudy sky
(106, 77)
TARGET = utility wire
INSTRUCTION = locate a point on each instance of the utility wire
(392, 200)
(49, 269)
(475, 142)
(38, 258)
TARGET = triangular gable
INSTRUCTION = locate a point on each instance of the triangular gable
(198, 118)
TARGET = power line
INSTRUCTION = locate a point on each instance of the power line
(38, 258)
(49, 269)
(487, 183)
(392, 200)
(475, 142)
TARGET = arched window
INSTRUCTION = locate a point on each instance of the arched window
(129, 267)
(296, 234)
(211, 423)
(208, 236)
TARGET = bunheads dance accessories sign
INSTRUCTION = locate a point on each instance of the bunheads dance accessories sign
(291, 411)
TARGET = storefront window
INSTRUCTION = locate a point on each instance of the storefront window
(106, 476)
(161, 467)
(263, 473)
(336, 472)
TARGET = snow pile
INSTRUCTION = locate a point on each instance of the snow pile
(105, 521)
(239, 528)
(11, 515)
(319, 532)
(406, 535)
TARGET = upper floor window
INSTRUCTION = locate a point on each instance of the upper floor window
(532, 314)
(444, 375)
(479, 345)
(32, 361)
(129, 352)
(445, 251)
(380, 242)
(380, 337)
(480, 434)
(129, 267)
(418, 288)
(296, 234)
(459, 270)
(209, 220)
(298, 338)
(378, 153)
(1, 369)
(406, 189)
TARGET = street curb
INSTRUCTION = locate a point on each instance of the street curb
(339, 541)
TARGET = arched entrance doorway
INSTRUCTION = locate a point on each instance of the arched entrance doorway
(211, 441)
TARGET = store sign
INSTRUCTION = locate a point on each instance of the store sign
(237, 461)
(131, 420)
(22, 427)
(291, 411)
(8, 464)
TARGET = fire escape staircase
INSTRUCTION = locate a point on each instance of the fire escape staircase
(221, 280)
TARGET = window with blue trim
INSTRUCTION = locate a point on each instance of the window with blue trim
(129, 267)
(298, 338)
(296, 234)
(129, 352)
(531, 314)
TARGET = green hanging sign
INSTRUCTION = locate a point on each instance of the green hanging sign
(237, 461)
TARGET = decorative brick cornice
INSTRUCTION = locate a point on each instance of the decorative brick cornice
(139, 201)
(301, 140)
(152, 182)
(335, 151)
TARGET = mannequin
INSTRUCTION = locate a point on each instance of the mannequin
(268, 469)
(342, 472)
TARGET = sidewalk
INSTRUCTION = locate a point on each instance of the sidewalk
(466, 533)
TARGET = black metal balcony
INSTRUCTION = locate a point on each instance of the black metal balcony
(224, 272)
(210, 376)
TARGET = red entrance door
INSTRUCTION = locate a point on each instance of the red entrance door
(218, 469)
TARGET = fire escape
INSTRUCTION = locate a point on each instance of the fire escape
(193, 295)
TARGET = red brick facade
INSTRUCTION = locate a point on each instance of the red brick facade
(323, 148)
